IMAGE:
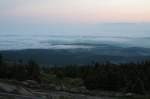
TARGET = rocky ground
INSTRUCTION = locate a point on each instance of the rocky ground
(11, 89)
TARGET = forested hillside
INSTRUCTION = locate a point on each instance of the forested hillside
(101, 54)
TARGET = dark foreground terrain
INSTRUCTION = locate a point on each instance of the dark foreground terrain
(89, 81)
(12, 89)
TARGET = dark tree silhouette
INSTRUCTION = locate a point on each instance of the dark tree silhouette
(33, 70)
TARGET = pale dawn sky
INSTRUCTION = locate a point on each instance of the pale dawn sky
(75, 17)
(89, 11)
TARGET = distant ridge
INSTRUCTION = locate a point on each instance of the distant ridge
(79, 56)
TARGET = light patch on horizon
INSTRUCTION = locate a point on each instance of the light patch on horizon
(90, 11)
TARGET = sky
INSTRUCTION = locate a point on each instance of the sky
(77, 10)
(72, 15)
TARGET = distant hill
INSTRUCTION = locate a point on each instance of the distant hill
(100, 53)
(79, 56)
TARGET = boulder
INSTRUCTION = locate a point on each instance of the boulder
(31, 83)
(16, 89)
(24, 91)
(4, 87)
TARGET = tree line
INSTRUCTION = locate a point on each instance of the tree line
(19, 70)
(124, 77)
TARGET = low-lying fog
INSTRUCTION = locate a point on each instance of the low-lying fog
(68, 42)
(61, 36)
